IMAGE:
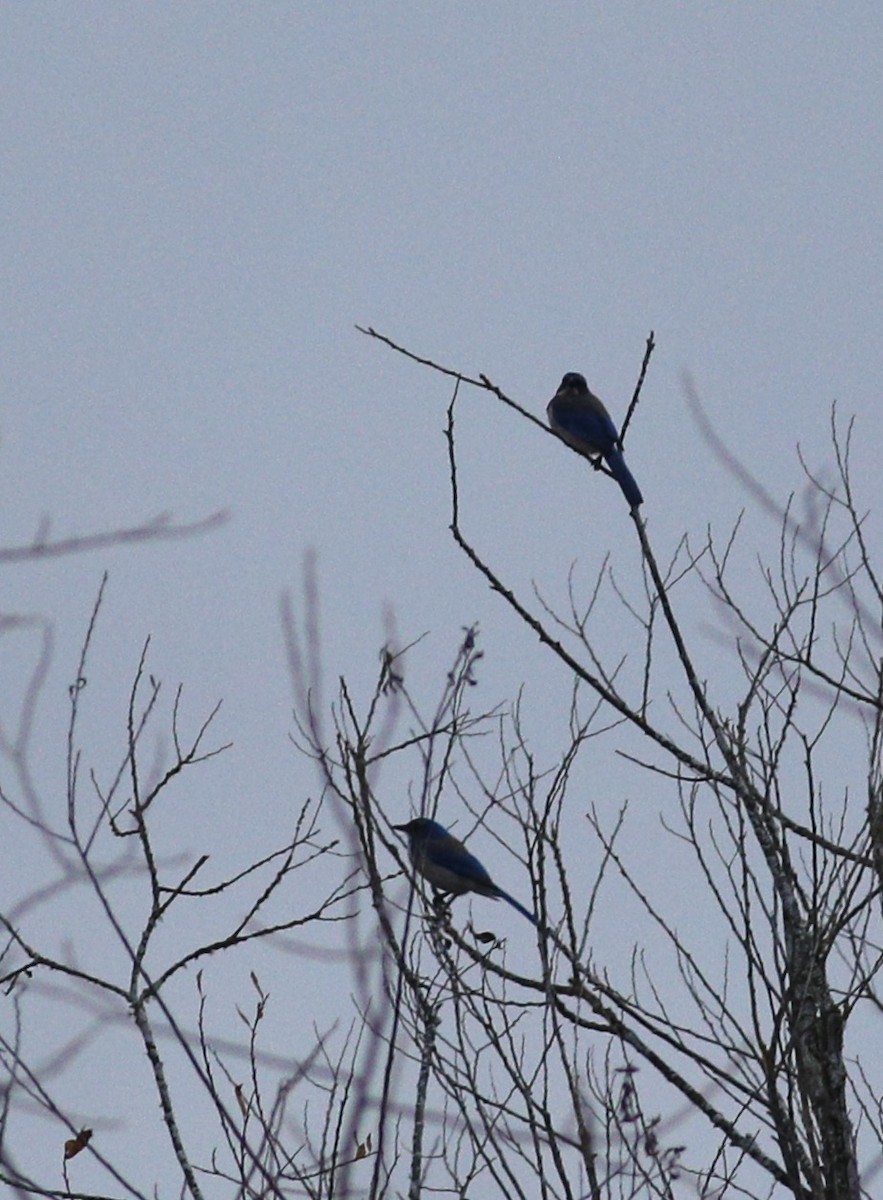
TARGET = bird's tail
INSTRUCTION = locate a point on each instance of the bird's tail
(511, 900)
(624, 478)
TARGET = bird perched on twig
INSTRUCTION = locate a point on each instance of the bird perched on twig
(447, 865)
(580, 419)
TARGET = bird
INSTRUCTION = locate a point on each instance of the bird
(447, 865)
(581, 419)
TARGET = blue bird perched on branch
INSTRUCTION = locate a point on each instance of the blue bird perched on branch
(580, 419)
(447, 865)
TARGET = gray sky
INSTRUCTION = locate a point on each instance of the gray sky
(200, 201)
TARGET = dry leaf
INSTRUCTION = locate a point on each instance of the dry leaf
(74, 1145)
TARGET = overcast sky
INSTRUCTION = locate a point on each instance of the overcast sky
(200, 202)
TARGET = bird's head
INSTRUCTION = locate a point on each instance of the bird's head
(573, 382)
(421, 828)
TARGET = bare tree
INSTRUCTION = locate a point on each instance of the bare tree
(731, 1065)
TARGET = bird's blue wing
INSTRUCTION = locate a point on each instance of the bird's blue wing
(583, 421)
(450, 854)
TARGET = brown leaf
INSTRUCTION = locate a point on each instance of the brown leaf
(74, 1145)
